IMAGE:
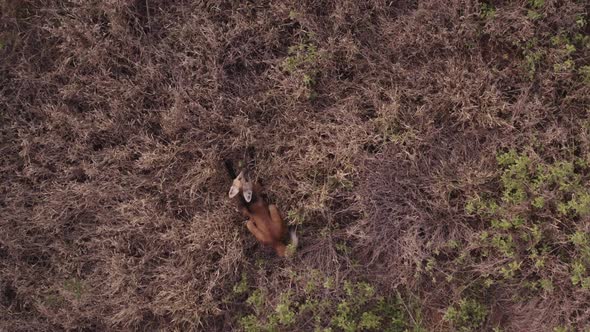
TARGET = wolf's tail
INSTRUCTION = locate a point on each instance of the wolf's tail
(294, 239)
(284, 250)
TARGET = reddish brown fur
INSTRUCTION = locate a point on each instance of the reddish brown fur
(265, 222)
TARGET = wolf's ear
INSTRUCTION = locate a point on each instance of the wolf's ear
(233, 191)
(248, 195)
(240, 177)
(247, 191)
(235, 187)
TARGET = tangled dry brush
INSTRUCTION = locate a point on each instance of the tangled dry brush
(375, 123)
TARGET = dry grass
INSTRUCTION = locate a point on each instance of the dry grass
(374, 124)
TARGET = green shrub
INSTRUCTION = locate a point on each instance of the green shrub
(487, 11)
(346, 306)
(468, 316)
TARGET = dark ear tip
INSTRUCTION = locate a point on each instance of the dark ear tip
(230, 168)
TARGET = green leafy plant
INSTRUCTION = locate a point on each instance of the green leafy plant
(515, 234)
(535, 6)
(584, 72)
(74, 286)
(347, 306)
(487, 11)
(515, 176)
(469, 315)
(302, 62)
(54, 300)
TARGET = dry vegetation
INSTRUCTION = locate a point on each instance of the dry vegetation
(434, 156)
